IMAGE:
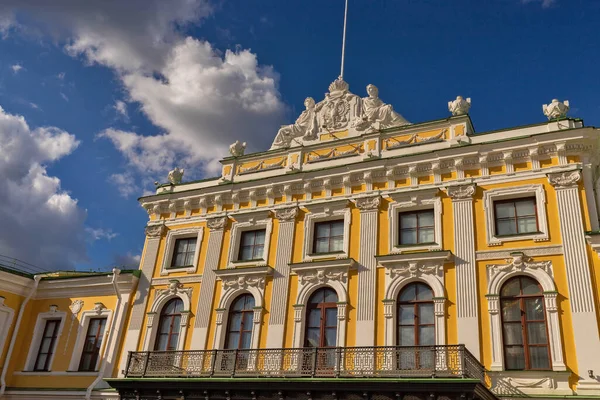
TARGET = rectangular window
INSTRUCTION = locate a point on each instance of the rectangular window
(514, 217)
(92, 344)
(42, 361)
(417, 227)
(183, 254)
(328, 237)
(252, 245)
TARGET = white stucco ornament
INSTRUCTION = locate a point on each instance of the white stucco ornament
(460, 106)
(175, 176)
(237, 149)
(556, 109)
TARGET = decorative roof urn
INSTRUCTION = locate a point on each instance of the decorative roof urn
(556, 109)
(459, 106)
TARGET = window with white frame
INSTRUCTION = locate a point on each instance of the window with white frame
(6, 317)
(252, 245)
(327, 230)
(182, 250)
(250, 238)
(515, 213)
(415, 221)
(46, 334)
(93, 326)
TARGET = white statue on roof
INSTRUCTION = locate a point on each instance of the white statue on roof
(305, 126)
(460, 106)
(556, 109)
(376, 114)
(175, 176)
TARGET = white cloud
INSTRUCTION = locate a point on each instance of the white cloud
(16, 68)
(120, 108)
(64, 96)
(100, 234)
(61, 76)
(41, 223)
(202, 98)
(34, 106)
(544, 3)
(128, 260)
(125, 184)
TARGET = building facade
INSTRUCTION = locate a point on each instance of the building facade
(360, 257)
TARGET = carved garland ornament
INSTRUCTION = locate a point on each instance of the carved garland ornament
(461, 192)
(175, 287)
(286, 214)
(242, 282)
(368, 203)
(519, 262)
(322, 276)
(155, 231)
(564, 179)
(414, 270)
(215, 224)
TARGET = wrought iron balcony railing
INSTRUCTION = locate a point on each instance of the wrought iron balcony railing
(364, 362)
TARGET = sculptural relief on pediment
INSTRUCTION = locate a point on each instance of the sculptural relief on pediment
(340, 110)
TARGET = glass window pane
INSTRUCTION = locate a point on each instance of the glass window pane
(514, 357)
(337, 244)
(408, 293)
(408, 236)
(90, 344)
(248, 318)
(246, 340)
(425, 314)
(330, 296)
(45, 345)
(176, 323)
(424, 292)
(258, 252)
(322, 230)
(408, 220)
(313, 337)
(177, 306)
(235, 321)
(246, 253)
(331, 317)
(260, 237)
(426, 235)
(161, 342)
(513, 334)
(322, 245)
(337, 228)
(526, 225)
(247, 238)
(189, 258)
(233, 340)
(538, 358)
(536, 333)
(330, 334)
(40, 365)
(511, 311)
(530, 286)
(534, 309)
(93, 325)
(314, 318)
(165, 325)
(248, 302)
(525, 207)
(406, 314)
(173, 342)
(426, 218)
(511, 288)
(406, 336)
(506, 227)
(426, 336)
(505, 210)
(86, 361)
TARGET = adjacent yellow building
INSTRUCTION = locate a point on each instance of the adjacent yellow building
(360, 257)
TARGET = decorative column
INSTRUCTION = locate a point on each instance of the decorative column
(585, 325)
(134, 331)
(588, 185)
(207, 289)
(465, 266)
(281, 277)
(367, 271)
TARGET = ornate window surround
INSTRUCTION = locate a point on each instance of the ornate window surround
(99, 311)
(509, 193)
(6, 317)
(162, 296)
(38, 331)
(541, 271)
(414, 201)
(172, 236)
(403, 269)
(249, 222)
(236, 282)
(321, 212)
(315, 275)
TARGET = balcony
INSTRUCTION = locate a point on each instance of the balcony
(339, 362)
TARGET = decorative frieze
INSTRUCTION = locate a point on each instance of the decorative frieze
(215, 224)
(367, 203)
(154, 231)
(465, 192)
(286, 214)
(564, 179)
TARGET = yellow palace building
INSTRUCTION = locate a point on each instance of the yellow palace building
(361, 257)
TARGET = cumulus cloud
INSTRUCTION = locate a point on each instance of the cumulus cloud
(202, 99)
(41, 223)
(16, 68)
(120, 108)
(125, 184)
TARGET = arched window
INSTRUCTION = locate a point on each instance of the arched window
(321, 319)
(169, 325)
(416, 326)
(239, 326)
(525, 334)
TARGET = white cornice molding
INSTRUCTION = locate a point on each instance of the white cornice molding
(85, 287)
(15, 284)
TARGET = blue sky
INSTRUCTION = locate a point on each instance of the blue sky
(100, 99)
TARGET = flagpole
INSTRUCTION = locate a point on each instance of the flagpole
(344, 41)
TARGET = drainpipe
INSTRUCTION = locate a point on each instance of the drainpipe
(36, 282)
(113, 323)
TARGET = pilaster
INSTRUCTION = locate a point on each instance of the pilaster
(207, 289)
(134, 331)
(465, 267)
(585, 325)
(367, 272)
(281, 276)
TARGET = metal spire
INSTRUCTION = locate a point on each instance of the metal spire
(344, 41)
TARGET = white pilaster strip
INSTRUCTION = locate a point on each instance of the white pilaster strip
(367, 272)
(466, 268)
(207, 289)
(134, 331)
(588, 184)
(585, 326)
(281, 277)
